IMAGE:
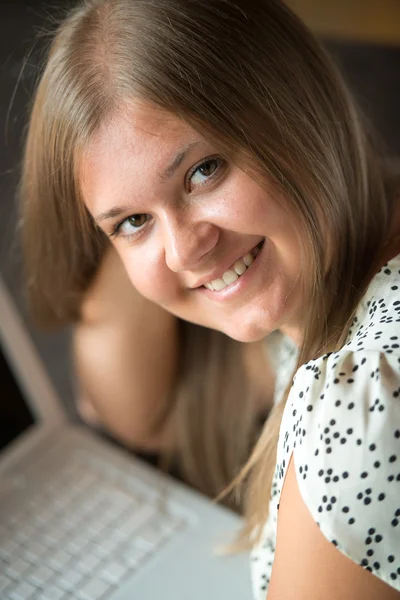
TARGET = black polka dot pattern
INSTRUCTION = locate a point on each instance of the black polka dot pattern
(342, 425)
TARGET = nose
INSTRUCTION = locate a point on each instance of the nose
(187, 243)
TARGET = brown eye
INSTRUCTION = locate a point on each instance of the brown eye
(205, 171)
(137, 220)
(130, 226)
(208, 168)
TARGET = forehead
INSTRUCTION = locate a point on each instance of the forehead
(140, 129)
(134, 145)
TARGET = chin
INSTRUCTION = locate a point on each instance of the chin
(247, 332)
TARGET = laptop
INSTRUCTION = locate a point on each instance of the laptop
(82, 519)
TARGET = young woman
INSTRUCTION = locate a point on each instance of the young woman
(217, 148)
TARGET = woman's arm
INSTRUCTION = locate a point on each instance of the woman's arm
(307, 566)
(125, 351)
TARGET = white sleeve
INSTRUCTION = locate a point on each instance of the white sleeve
(347, 454)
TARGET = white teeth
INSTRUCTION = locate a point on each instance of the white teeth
(239, 267)
(248, 259)
(234, 273)
(218, 284)
(229, 276)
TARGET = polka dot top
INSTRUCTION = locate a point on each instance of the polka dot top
(342, 425)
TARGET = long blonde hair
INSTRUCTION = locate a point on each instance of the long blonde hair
(248, 74)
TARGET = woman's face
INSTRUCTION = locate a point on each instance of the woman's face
(187, 223)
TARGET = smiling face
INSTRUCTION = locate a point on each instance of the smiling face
(197, 235)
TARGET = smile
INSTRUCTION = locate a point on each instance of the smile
(235, 271)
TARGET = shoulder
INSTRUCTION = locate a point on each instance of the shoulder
(368, 365)
(376, 325)
(344, 410)
(351, 397)
(340, 435)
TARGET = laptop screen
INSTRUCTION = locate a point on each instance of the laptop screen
(15, 415)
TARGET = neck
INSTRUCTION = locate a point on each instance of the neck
(294, 333)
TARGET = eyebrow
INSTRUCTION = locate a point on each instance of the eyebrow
(166, 174)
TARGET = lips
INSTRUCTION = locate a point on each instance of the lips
(238, 269)
(224, 277)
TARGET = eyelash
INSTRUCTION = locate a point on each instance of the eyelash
(116, 231)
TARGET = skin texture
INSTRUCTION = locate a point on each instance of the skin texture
(195, 227)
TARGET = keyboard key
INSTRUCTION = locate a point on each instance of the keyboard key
(92, 500)
(52, 537)
(69, 579)
(94, 589)
(52, 593)
(150, 536)
(88, 479)
(74, 517)
(38, 517)
(17, 568)
(105, 547)
(88, 562)
(59, 559)
(64, 523)
(23, 591)
(7, 548)
(119, 498)
(105, 515)
(113, 572)
(76, 545)
(40, 576)
(132, 523)
(133, 555)
(5, 582)
(59, 503)
(92, 529)
(34, 551)
(25, 530)
(169, 522)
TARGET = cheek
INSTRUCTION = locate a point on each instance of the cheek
(250, 208)
(150, 277)
(243, 204)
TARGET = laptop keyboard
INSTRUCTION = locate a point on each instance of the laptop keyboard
(79, 536)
